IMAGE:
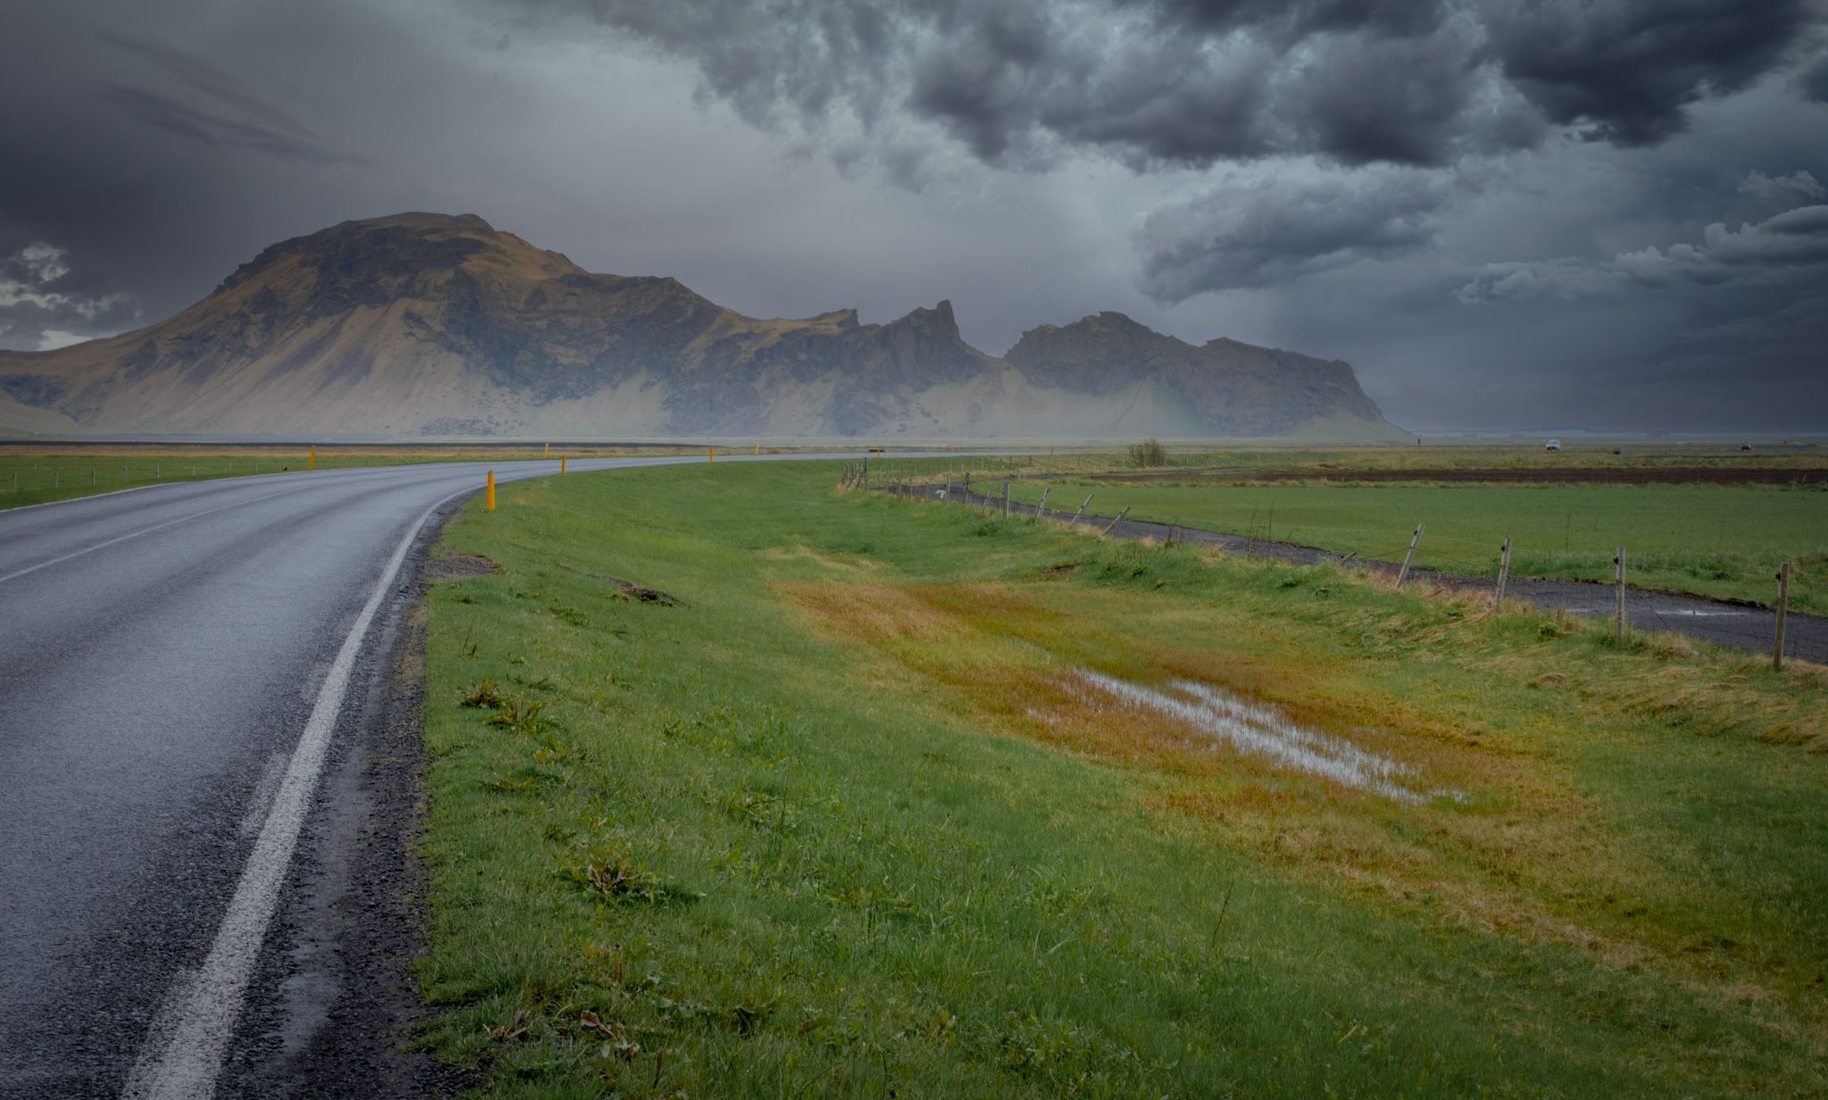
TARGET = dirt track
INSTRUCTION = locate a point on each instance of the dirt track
(1572, 475)
(1737, 626)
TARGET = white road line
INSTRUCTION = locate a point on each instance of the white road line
(185, 1066)
(134, 535)
(262, 799)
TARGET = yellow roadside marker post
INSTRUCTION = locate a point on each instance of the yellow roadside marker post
(710, 454)
(758, 448)
(311, 459)
(490, 506)
(548, 450)
(562, 463)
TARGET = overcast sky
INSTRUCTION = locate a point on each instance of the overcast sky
(1505, 213)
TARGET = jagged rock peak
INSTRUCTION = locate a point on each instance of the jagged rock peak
(936, 321)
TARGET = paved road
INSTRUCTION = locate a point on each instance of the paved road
(166, 655)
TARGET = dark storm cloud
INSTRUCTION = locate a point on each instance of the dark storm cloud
(1317, 174)
(1275, 230)
(1813, 79)
(1015, 82)
(1626, 70)
(1021, 82)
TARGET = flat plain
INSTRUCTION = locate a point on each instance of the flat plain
(743, 785)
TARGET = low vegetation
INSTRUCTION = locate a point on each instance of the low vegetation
(1710, 540)
(39, 474)
(896, 800)
(1149, 452)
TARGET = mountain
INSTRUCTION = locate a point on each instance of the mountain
(433, 325)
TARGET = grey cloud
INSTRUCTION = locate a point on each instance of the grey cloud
(1397, 100)
(239, 116)
(203, 77)
(1173, 83)
(1800, 184)
(1272, 231)
(1626, 70)
(35, 312)
(215, 130)
(1790, 246)
(1813, 80)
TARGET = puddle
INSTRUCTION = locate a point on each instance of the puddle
(1262, 731)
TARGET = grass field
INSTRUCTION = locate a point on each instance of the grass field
(1711, 540)
(891, 804)
(37, 475)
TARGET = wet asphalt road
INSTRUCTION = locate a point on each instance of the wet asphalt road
(160, 651)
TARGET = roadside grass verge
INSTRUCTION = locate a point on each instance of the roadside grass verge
(854, 817)
(38, 474)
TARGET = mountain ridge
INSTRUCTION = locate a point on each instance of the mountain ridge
(425, 324)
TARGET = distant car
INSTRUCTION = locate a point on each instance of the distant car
(1552, 445)
(1745, 446)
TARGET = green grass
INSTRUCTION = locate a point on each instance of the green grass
(38, 475)
(1711, 540)
(834, 826)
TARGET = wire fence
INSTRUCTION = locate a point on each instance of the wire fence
(1679, 582)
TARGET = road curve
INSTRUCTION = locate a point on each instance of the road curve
(162, 655)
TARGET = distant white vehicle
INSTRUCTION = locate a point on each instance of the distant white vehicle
(1552, 445)
(1745, 446)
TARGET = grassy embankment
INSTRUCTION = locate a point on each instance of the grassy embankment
(36, 475)
(848, 821)
(1710, 540)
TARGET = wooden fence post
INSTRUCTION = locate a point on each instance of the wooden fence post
(1408, 558)
(1618, 612)
(1783, 610)
(1118, 520)
(1005, 498)
(1041, 508)
(1081, 511)
(1504, 572)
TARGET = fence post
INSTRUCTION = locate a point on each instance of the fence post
(1041, 508)
(1118, 520)
(1408, 558)
(1005, 498)
(1618, 612)
(1504, 571)
(1081, 511)
(1783, 610)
